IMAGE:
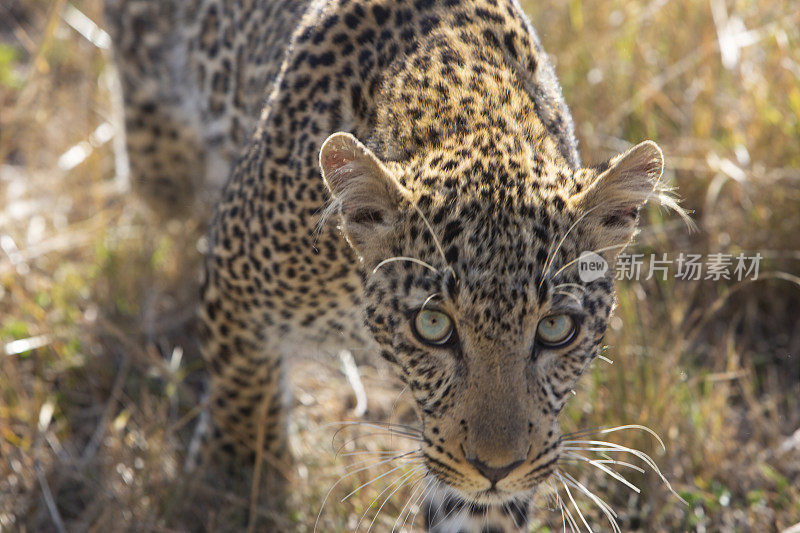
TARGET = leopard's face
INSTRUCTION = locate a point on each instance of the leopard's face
(489, 349)
(472, 293)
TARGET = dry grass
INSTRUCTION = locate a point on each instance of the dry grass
(99, 379)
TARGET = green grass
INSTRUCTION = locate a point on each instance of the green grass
(96, 404)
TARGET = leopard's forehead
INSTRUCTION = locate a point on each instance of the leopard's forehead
(493, 166)
(497, 209)
(495, 265)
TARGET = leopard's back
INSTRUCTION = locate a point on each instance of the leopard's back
(195, 77)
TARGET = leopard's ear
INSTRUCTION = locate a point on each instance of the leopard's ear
(365, 193)
(614, 192)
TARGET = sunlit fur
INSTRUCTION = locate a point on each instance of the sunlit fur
(450, 179)
(494, 393)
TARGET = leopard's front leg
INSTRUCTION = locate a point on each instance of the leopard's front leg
(246, 415)
(247, 394)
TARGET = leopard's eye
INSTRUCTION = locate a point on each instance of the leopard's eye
(556, 330)
(433, 327)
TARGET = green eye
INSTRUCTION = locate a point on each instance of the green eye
(556, 330)
(433, 327)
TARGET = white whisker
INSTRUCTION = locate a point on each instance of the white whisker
(607, 470)
(603, 446)
(435, 238)
(566, 514)
(445, 517)
(372, 452)
(551, 256)
(569, 294)
(428, 299)
(520, 508)
(386, 429)
(372, 434)
(604, 507)
(635, 426)
(404, 479)
(417, 485)
(378, 425)
(401, 258)
(371, 481)
(609, 462)
(604, 431)
(570, 285)
(384, 461)
(552, 495)
(398, 479)
(342, 478)
(421, 498)
(373, 462)
(574, 504)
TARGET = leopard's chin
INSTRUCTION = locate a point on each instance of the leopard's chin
(451, 508)
(493, 496)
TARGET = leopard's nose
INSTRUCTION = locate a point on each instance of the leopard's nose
(493, 473)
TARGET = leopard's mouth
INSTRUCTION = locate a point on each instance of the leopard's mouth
(496, 496)
(520, 486)
(491, 496)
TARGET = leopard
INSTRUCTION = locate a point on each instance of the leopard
(396, 176)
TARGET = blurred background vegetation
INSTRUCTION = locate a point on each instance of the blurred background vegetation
(99, 372)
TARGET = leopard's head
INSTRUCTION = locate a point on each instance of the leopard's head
(472, 290)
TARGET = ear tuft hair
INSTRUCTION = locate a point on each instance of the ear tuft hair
(364, 193)
(621, 187)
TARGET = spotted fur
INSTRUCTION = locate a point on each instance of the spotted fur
(450, 178)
